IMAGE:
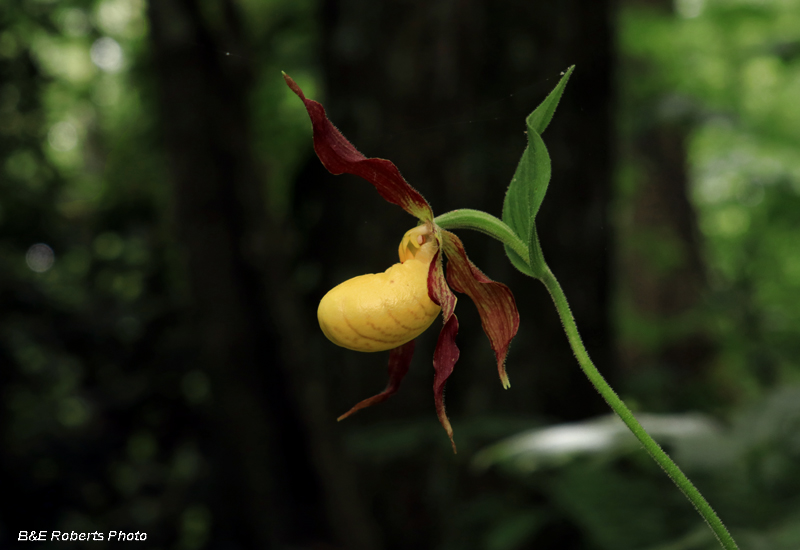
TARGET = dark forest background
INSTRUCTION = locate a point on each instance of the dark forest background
(166, 234)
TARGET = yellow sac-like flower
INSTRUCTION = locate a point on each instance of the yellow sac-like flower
(381, 311)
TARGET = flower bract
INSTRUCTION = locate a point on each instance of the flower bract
(386, 311)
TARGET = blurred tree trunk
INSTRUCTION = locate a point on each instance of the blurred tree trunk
(267, 490)
(663, 342)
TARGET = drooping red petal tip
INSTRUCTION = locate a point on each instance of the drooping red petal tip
(494, 301)
(504, 379)
(339, 156)
(446, 353)
(444, 359)
(399, 363)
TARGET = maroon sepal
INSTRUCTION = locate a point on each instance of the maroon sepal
(339, 156)
(438, 291)
(444, 359)
(495, 302)
(399, 362)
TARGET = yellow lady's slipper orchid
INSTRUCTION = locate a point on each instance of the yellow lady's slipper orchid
(386, 311)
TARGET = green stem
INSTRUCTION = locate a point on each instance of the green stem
(486, 223)
(466, 218)
(627, 417)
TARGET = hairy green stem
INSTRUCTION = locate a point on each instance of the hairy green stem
(619, 407)
(486, 223)
(466, 218)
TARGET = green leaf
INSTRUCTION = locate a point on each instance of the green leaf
(542, 115)
(527, 188)
(529, 184)
(536, 258)
(518, 262)
(535, 267)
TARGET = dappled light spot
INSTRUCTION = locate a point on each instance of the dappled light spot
(72, 412)
(761, 77)
(21, 165)
(30, 359)
(751, 195)
(689, 9)
(40, 258)
(121, 18)
(186, 463)
(62, 136)
(729, 221)
(65, 59)
(791, 269)
(107, 54)
(107, 91)
(606, 435)
(195, 527)
(128, 286)
(74, 22)
(108, 245)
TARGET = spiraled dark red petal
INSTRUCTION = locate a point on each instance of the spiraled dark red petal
(438, 291)
(444, 359)
(495, 302)
(339, 156)
(399, 362)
